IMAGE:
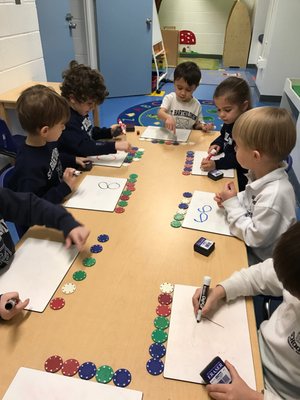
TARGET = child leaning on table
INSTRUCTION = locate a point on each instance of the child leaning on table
(232, 98)
(39, 167)
(264, 138)
(28, 209)
(180, 109)
(84, 89)
(279, 337)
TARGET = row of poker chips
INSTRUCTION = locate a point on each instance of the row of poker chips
(135, 154)
(70, 287)
(157, 350)
(88, 370)
(188, 164)
(127, 192)
(182, 210)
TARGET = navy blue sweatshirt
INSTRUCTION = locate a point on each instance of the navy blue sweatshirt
(27, 209)
(227, 145)
(80, 139)
(40, 170)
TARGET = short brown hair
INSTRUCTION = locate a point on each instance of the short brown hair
(286, 258)
(40, 106)
(236, 91)
(84, 83)
(269, 130)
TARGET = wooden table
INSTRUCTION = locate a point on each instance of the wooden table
(9, 99)
(109, 319)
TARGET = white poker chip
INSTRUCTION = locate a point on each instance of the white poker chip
(183, 143)
(181, 211)
(136, 159)
(68, 288)
(141, 149)
(185, 200)
(167, 287)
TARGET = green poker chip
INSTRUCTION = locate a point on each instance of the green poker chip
(133, 176)
(131, 180)
(159, 336)
(161, 141)
(104, 374)
(161, 323)
(178, 217)
(139, 153)
(89, 262)
(123, 203)
(127, 192)
(176, 224)
(79, 275)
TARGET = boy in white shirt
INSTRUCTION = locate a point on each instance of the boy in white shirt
(264, 138)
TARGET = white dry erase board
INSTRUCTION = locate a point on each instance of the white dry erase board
(31, 384)
(198, 157)
(204, 214)
(99, 193)
(109, 160)
(36, 271)
(191, 345)
(159, 133)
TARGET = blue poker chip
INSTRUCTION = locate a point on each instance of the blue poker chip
(187, 194)
(154, 141)
(157, 350)
(183, 206)
(134, 148)
(155, 366)
(189, 162)
(103, 238)
(122, 377)
(187, 169)
(87, 370)
(190, 153)
(96, 248)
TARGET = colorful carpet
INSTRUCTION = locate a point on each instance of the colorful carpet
(145, 114)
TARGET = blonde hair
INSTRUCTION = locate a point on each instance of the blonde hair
(268, 130)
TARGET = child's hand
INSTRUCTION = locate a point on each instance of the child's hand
(237, 390)
(213, 302)
(77, 236)
(69, 178)
(9, 314)
(123, 146)
(214, 146)
(207, 127)
(207, 165)
(218, 200)
(170, 124)
(116, 130)
(228, 192)
(81, 161)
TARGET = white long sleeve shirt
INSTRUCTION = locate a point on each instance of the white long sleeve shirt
(262, 212)
(279, 337)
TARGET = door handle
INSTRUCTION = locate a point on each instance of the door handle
(72, 25)
(148, 21)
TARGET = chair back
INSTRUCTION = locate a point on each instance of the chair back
(5, 175)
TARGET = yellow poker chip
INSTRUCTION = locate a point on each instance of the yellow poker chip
(167, 287)
(68, 288)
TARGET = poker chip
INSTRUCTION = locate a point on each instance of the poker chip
(87, 370)
(161, 323)
(133, 176)
(139, 153)
(104, 374)
(134, 148)
(123, 203)
(186, 173)
(163, 311)
(181, 211)
(53, 364)
(175, 224)
(96, 248)
(187, 169)
(122, 377)
(157, 350)
(124, 198)
(131, 188)
(186, 200)
(190, 153)
(183, 205)
(178, 217)
(126, 192)
(68, 288)
(189, 159)
(167, 287)
(154, 141)
(189, 162)
(119, 210)
(165, 299)
(70, 367)
(159, 336)
(175, 143)
(79, 275)
(161, 141)
(168, 142)
(103, 237)
(57, 303)
(155, 366)
(89, 261)
(132, 180)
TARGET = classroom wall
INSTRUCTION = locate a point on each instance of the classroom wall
(79, 34)
(206, 18)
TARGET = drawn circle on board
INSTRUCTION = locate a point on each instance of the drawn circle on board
(107, 157)
(106, 185)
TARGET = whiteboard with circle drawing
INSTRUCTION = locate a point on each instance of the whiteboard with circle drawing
(198, 157)
(204, 214)
(159, 133)
(99, 193)
(109, 160)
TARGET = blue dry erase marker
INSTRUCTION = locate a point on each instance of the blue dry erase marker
(203, 296)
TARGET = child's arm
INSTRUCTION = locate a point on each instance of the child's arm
(170, 122)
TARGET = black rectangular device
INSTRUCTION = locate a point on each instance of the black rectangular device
(216, 372)
(215, 174)
(204, 246)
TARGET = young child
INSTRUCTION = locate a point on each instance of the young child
(84, 89)
(28, 209)
(279, 337)
(232, 97)
(39, 167)
(264, 137)
(180, 109)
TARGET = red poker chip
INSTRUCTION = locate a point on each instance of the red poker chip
(124, 197)
(57, 303)
(131, 188)
(163, 310)
(168, 142)
(130, 185)
(53, 364)
(165, 299)
(186, 173)
(119, 210)
(70, 367)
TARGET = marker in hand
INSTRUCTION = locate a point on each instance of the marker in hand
(212, 153)
(76, 173)
(10, 304)
(203, 296)
(122, 126)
